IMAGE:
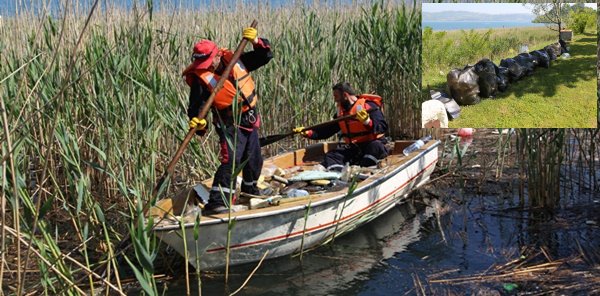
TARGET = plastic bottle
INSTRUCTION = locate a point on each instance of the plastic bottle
(297, 193)
(416, 145)
(193, 211)
(346, 173)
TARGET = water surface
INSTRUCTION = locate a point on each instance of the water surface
(453, 25)
(388, 255)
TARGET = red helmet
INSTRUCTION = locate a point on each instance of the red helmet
(203, 55)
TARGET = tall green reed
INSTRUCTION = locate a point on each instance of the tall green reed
(543, 155)
(93, 123)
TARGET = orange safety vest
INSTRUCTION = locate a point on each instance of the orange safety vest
(353, 130)
(238, 75)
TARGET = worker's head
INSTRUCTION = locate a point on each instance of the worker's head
(344, 95)
(206, 55)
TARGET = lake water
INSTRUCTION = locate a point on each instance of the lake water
(353, 263)
(389, 255)
(442, 26)
(10, 7)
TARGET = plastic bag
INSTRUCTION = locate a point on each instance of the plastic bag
(526, 63)
(523, 48)
(563, 46)
(534, 59)
(462, 85)
(502, 78)
(515, 70)
(543, 58)
(551, 51)
(486, 70)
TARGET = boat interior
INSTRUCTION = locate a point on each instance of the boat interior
(275, 182)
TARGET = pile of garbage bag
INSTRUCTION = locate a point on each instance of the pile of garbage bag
(485, 79)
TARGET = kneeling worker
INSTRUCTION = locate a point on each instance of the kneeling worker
(363, 134)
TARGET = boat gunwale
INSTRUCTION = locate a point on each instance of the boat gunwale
(284, 210)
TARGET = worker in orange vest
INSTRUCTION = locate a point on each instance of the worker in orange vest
(363, 135)
(208, 63)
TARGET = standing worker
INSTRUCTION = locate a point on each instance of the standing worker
(208, 63)
(363, 134)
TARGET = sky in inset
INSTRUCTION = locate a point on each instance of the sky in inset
(489, 8)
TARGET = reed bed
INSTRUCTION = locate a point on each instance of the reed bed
(551, 167)
(553, 276)
(555, 172)
(93, 106)
(541, 152)
(557, 163)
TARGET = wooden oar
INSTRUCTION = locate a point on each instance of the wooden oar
(264, 141)
(125, 243)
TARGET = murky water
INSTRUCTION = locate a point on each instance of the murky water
(330, 270)
(407, 245)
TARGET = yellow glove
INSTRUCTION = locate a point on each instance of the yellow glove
(362, 116)
(306, 134)
(250, 34)
(198, 124)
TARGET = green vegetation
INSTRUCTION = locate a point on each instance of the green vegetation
(94, 109)
(582, 20)
(444, 50)
(558, 12)
(561, 96)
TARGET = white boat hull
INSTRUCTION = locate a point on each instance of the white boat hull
(287, 231)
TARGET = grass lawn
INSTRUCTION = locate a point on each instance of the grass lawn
(563, 96)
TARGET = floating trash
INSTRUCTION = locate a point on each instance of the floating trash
(257, 203)
(297, 193)
(315, 175)
(320, 182)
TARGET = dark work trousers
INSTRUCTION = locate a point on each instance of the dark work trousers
(247, 148)
(363, 154)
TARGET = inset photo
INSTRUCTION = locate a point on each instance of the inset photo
(509, 65)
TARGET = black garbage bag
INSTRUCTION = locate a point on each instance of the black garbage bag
(550, 52)
(543, 58)
(563, 46)
(526, 63)
(486, 70)
(553, 50)
(502, 78)
(462, 85)
(533, 58)
(557, 48)
(515, 70)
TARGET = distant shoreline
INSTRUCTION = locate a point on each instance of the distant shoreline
(485, 29)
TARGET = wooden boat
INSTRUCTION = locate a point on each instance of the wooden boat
(298, 224)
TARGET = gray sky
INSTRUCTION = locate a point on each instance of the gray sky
(489, 8)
